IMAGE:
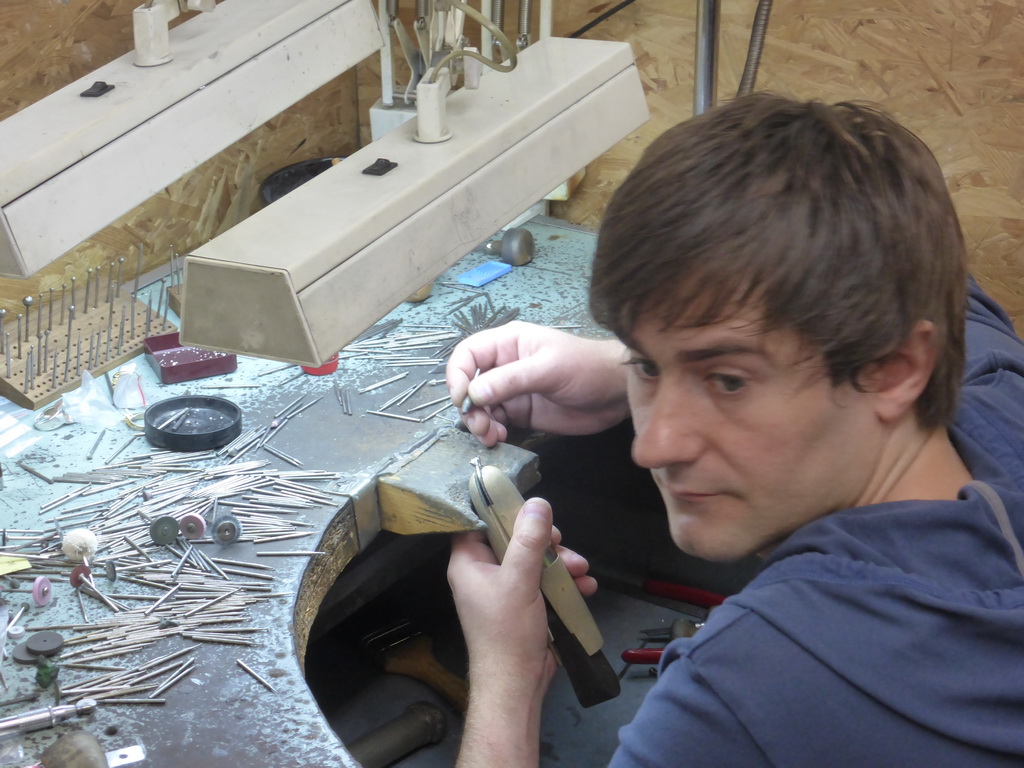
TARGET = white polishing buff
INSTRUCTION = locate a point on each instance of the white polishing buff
(79, 544)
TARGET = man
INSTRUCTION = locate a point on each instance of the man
(787, 284)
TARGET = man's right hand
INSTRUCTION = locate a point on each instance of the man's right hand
(540, 378)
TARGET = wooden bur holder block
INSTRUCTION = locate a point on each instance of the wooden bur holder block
(99, 342)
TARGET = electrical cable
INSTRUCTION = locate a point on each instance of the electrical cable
(594, 22)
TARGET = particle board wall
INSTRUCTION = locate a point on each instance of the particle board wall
(46, 44)
(951, 70)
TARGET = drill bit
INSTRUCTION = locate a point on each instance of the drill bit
(27, 301)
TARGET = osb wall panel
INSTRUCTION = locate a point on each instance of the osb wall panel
(951, 70)
(46, 44)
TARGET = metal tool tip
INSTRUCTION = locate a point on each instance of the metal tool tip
(85, 706)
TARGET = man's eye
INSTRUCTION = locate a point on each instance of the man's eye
(646, 368)
(728, 383)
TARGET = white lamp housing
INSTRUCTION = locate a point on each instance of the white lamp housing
(70, 165)
(301, 278)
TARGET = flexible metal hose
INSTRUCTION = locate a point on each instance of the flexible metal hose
(524, 23)
(508, 51)
(498, 13)
(757, 34)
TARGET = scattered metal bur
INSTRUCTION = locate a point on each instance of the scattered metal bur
(184, 591)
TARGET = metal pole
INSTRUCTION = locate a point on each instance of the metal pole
(705, 70)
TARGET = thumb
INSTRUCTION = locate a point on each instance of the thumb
(531, 537)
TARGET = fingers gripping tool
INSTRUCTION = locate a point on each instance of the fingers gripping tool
(573, 633)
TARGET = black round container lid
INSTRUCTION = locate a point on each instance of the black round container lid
(193, 423)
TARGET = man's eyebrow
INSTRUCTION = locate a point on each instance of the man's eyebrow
(720, 350)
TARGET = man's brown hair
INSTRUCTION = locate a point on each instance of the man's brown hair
(833, 221)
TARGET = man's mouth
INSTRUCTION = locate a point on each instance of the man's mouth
(687, 494)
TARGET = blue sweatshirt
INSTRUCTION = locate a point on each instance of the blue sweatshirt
(887, 635)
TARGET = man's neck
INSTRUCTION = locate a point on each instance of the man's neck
(931, 469)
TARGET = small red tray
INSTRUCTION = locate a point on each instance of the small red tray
(173, 362)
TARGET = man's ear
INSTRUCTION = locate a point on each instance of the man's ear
(898, 379)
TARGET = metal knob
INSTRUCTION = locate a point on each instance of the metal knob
(515, 247)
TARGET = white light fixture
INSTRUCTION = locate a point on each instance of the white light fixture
(70, 165)
(301, 278)
(151, 27)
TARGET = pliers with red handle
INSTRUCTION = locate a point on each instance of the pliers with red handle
(641, 656)
(692, 595)
(645, 655)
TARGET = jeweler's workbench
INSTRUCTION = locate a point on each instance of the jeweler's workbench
(194, 647)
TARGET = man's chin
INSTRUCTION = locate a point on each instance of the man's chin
(708, 548)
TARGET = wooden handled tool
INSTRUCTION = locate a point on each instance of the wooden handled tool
(575, 636)
(420, 725)
(415, 658)
(402, 650)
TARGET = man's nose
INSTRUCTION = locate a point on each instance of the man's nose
(668, 431)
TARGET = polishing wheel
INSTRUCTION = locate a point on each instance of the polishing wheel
(80, 575)
(42, 591)
(227, 529)
(21, 654)
(164, 530)
(45, 643)
(38, 644)
(192, 526)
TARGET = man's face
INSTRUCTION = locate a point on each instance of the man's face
(745, 435)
